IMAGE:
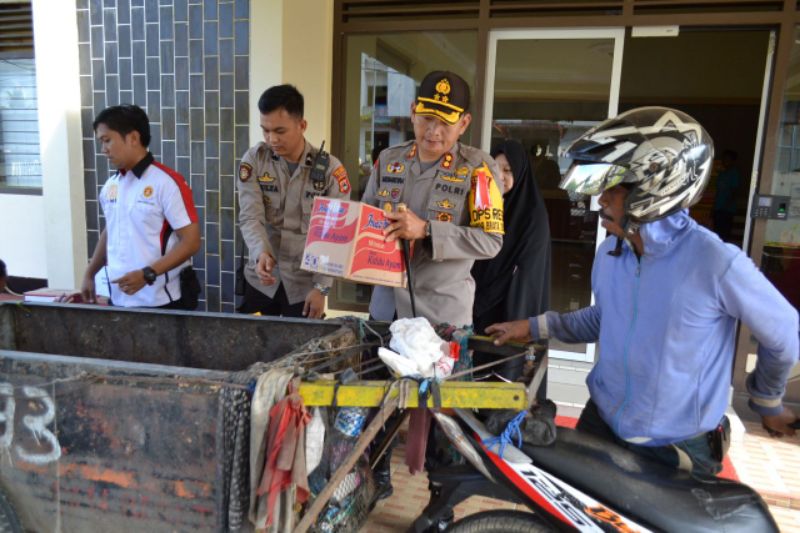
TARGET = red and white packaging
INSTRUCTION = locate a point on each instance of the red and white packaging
(345, 240)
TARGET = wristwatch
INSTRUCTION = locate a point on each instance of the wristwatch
(427, 228)
(149, 275)
(322, 289)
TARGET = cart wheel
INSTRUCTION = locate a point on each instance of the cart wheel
(500, 522)
(9, 523)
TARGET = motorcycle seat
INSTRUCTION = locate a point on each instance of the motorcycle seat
(648, 492)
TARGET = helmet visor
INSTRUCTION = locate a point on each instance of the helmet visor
(592, 178)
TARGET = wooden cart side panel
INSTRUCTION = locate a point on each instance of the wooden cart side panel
(109, 453)
(175, 338)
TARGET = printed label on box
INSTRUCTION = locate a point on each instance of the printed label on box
(345, 239)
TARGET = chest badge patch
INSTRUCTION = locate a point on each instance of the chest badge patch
(266, 178)
(444, 217)
(395, 193)
(395, 167)
(383, 193)
(148, 192)
(445, 204)
(111, 193)
(453, 178)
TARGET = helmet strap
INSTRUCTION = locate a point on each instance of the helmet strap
(617, 251)
(629, 227)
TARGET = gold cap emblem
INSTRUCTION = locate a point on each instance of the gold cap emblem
(442, 90)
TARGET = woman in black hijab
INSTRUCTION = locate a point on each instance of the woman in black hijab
(515, 284)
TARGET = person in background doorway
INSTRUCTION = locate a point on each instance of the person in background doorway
(728, 180)
(151, 223)
(277, 188)
(515, 284)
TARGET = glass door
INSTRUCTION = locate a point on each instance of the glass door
(780, 256)
(544, 88)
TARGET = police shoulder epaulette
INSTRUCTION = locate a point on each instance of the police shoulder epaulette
(260, 149)
(474, 156)
(401, 148)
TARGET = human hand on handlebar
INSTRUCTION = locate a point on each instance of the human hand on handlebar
(518, 330)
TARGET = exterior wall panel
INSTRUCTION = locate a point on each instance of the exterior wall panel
(187, 64)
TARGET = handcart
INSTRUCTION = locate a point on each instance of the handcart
(137, 420)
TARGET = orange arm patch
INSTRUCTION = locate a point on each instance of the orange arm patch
(485, 201)
(341, 178)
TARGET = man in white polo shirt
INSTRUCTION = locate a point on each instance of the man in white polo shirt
(151, 222)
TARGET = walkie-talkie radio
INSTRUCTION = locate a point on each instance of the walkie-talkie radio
(319, 167)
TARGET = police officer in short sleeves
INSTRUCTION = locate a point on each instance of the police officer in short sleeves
(276, 193)
(455, 208)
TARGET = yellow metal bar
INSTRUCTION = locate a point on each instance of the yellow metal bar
(464, 394)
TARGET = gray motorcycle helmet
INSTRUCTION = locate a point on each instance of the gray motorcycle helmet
(663, 155)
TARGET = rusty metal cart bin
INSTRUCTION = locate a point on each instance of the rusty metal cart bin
(110, 420)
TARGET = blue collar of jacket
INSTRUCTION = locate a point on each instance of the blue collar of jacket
(661, 235)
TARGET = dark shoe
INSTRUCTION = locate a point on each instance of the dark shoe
(444, 523)
(383, 484)
(441, 525)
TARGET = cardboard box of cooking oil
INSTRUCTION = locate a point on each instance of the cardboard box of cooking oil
(345, 240)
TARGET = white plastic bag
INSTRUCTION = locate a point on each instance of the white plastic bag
(315, 440)
(418, 350)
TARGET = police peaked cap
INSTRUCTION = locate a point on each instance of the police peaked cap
(443, 95)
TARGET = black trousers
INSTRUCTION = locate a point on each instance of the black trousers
(255, 301)
(178, 304)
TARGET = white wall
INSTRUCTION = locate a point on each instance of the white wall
(291, 42)
(308, 61)
(22, 235)
(266, 56)
(62, 210)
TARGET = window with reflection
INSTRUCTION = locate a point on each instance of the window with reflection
(547, 93)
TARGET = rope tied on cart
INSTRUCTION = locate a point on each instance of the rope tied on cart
(430, 387)
(505, 438)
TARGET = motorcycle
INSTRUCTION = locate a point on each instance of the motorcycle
(579, 483)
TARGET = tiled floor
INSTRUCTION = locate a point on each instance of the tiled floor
(771, 466)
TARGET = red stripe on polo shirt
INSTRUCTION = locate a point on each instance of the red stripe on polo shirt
(186, 192)
(165, 233)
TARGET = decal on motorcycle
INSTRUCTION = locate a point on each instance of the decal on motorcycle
(561, 500)
(609, 517)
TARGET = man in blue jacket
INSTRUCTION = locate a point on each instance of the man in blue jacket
(668, 295)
